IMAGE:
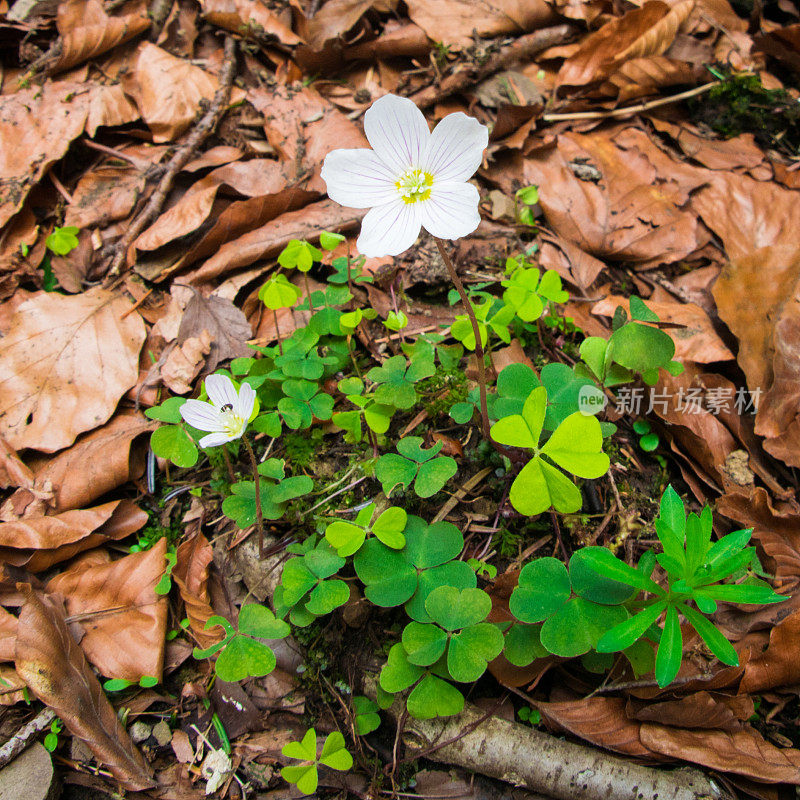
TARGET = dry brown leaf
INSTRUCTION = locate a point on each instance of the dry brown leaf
(238, 15)
(747, 214)
(195, 555)
(109, 106)
(56, 672)
(104, 195)
(64, 366)
(167, 90)
(123, 619)
(97, 463)
(743, 752)
(783, 44)
(184, 362)
(256, 178)
(87, 31)
(642, 76)
(13, 471)
(453, 21)
(227, 327)
(39, 542)
(304, 127)
(8, 635)
(12, 687)
(695, 341)
(270, 239)
(599, 720)
(698, 710)
(334, 20)
(630, 214)
(645, 31)
(36, 129)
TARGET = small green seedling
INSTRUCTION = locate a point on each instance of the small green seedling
(51, 739)
(415, 465)
(576, 446)
(241, 655)
(648, 440)
(306, 775)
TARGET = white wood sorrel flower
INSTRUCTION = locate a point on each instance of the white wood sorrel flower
(411, 178)
(226, 416)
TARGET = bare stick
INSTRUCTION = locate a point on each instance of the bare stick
(479, 355)
(624, 112)
(522, 49)
(203, 128)
(257, 481)
(24, 737)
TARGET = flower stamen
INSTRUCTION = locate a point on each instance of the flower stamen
(414, 185)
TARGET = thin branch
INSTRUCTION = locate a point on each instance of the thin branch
(24, 737)
(624, 112)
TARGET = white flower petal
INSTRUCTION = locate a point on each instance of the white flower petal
(245, 403)
(451, 211)
(390, 229)
(456, 148)
(202, 416)
(216, 439)
(358, 178)
(397, 131)
(221, 391)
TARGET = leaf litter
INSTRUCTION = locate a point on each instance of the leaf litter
(637, 195)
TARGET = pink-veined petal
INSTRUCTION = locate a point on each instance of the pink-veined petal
(455, 148)
(202, 416)
(390, 229)
(451, 211)
(397, 131)
(221, 391)
(216, 439)
(245, 403)
(358, 178)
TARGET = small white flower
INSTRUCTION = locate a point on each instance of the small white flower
(411, 178)
(226, 416)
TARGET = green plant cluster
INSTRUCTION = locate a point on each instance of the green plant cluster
(591, 608)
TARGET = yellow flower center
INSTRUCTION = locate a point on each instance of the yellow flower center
(233, 424)
(414, 185)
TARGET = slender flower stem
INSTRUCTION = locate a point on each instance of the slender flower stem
(257, 480)
(277, 331)
(479, 355)
(308, 293)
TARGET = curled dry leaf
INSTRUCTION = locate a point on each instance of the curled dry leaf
(87, 31)
(64, 366)
(645, 31)
(123, 619)
(39, 542)
(699, 710)
(454, 21)
(195, 555)
(11, 685)
(239, 15)
(57, 673)
(97, 463)
(13, 471)
(270, 239)
(109, 106)
(184, 362)
(36, 129)
(167, 90)
(646, 75)
(227, 327)
(333, 21)
(743, 752)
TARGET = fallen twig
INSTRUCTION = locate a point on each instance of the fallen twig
(624, 112)
(542, 763)
(24, 737)
(202, 129)
(519, 50)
